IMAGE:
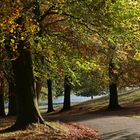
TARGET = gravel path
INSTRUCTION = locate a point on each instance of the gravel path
(110, 127)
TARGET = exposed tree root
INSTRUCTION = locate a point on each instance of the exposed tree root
(17, 127)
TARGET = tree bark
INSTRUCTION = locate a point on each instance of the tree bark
(38, 88)
(12, 107)
(50, 102)
(113, 93)
(67, 91)
(2, 110)
(113, 97)
(27, 107)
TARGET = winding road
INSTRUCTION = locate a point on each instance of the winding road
(111, 126)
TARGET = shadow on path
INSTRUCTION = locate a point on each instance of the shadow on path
(67, 117)
(120, 135)
(112, 125)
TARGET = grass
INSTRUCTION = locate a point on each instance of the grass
(129, 101)
(124, 100)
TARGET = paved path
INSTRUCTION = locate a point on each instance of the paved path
(110, 127)
(115, 127)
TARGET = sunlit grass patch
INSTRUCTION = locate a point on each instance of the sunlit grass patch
(59, 127)
(126, 100)
(137, 116)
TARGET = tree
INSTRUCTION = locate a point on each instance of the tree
(91, 83)
(113, 23)
(2, 84)
(38, 88)
(27, 111)
(2, 109)
(113, 100)
(67, 91)
(9, 84)
(12, 107)
(32, 24)
(50, 102)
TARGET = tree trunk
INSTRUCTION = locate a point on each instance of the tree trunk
(113, 98)
(38, 88)
(12, 108)
(2, 110)
(27, 107)
(91, 97)
(50, 102)
(67, 90)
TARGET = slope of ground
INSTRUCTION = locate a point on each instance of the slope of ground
(59, 131)
(128, 101)
(115, 125)
(112, 125)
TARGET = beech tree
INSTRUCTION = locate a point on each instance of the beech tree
(115, 25)
(2, 109)
(50, 102)
(67, 93)
(20, 55)
(32, 26)
(12, 106)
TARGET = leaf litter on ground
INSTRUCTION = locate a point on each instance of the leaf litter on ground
(60, 131)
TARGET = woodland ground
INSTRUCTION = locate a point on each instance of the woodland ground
(122, 124)
(59, 131)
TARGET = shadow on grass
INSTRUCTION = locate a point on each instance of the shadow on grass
(120, 135)
(90, 115)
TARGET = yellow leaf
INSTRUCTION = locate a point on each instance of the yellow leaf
(137, 56)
